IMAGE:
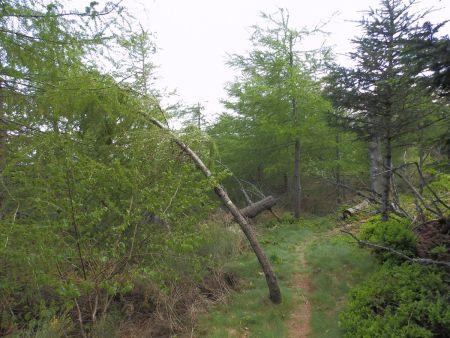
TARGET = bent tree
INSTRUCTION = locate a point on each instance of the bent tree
(272, 284)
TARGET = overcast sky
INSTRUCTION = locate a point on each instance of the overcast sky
(195, 36)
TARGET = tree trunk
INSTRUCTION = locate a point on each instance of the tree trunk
(385, 196)
(274, 289)
(256, 208)
(338, 170)
(285, 183)
(297, 183)
(353, 210)
(375, 165)
(260, 174)
(295, 118)
(3, 149)
(421, 157)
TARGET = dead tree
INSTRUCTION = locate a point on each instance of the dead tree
(353, 210)
(272, 283)
(256, 208)
(424, 261)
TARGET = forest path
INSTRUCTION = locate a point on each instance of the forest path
(298, 324)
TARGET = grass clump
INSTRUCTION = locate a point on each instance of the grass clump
(335, 266)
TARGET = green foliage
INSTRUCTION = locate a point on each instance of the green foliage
(440, 182)
(54, 327)
(256, 138)
(399, 301)
(93, 197)
(395, 234)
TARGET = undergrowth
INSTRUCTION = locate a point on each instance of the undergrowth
(401, 299)
(405, 300)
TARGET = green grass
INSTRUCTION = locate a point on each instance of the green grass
(249, 311)
(335, 265)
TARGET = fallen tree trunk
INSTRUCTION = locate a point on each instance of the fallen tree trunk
(354, 210)
(256, 208)
(272, 283)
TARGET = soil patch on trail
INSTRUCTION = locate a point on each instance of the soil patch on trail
(299, 323)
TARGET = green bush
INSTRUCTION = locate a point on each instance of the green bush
(287, 218)
(399, 301)
(395, 234)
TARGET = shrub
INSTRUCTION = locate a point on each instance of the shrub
(399, 301)
(287, 218)
(395, 234)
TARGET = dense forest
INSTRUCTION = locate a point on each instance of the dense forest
(319, 181)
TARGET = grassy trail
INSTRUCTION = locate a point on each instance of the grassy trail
(315, 266)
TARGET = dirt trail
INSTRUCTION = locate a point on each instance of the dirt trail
(299, 323)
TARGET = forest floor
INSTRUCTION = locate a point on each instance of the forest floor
(315, 266)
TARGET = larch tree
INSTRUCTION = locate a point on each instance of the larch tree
(276, 95)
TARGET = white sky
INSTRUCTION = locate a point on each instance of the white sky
(195, 36)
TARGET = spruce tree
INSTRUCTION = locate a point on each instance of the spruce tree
(381, 96)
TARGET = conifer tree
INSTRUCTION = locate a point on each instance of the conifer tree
(382, 96)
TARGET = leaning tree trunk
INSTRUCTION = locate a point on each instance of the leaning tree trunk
(274, 289)
(385, 196)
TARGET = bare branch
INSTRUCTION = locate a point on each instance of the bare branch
(423, 261)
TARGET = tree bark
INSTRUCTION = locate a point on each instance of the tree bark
(260, 174)
(3, 149)
(295, 117)
(385, 196)
(285, 183)
(256, 208)
(375, 165)
(354, 210)
(297, 183)
(338, 170)
(274, 289)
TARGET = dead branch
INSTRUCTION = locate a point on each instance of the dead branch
(437, 212)
(373, 197)
(423, 261)
(244, 192)
(256, 190)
